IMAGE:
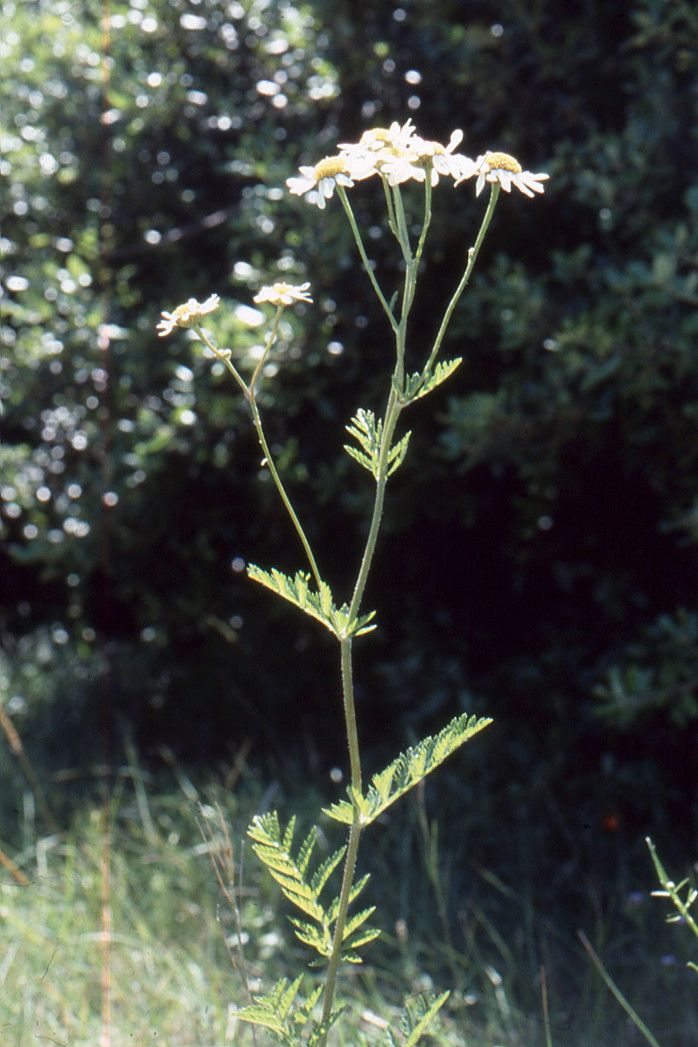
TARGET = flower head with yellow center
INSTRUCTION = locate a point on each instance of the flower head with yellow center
(283, 294)
(507, 171)
(187, 315)
(321, 179)
(377, 139)
(399, 154)
(423, 155)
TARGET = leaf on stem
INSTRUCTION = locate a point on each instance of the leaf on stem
(417, 1015)
(317, 604)
(285, 1015)
(368, 434)
(683, 895)
(396, 455)
(421, 383)
(407, 770)
(275, 849)
(274, 1010)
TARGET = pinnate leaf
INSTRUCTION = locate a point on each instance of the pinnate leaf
(407, 770)
(417, 1015)
(420, 384)
(316, 603)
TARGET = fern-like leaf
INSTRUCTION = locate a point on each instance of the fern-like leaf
(396, 455)
(357, 888)
(291, 870)
(407, 770)
(420, 383)
(284, 1014)
(357, 933)
(275, 849)
(417, 1015)
(316, 603)
(359, 457)
(271, 1010)
(368, 434)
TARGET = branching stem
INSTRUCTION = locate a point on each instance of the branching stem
(341, 192)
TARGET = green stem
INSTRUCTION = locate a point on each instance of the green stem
(613, 988)
(271, 338)
(404, 236)
(354, 833)
(336, 956)
(392, 414)
(341, 192)
(472, 258)
(350, 715)
(282, 492)
(427, 216)
(398, 224)
(249, 394)
(392, 223)
(669, 889)
(224, 356)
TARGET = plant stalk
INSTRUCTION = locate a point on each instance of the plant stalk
(249, 393)
(341, 192)
(472, 258)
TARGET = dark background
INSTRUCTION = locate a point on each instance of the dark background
(539, 558)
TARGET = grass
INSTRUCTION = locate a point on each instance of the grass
(172, 969)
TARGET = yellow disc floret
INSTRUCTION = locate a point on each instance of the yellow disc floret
(330, 167)
(503, 162)
(376, 137)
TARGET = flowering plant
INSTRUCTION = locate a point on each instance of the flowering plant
(332, 927)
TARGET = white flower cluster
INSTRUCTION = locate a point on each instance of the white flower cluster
(398, 154)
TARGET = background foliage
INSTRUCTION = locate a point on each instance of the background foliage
(540, 553)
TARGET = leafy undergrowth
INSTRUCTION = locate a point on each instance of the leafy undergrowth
(175, 970)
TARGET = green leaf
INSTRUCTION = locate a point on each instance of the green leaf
(316, 937)
(359, 457)
(318, 604)
(271, 1010)
(281, 1010)
(356, 934)
(275, 849)
(354, 893)
(421, 383)
(322, 875)
(417, 1015)
(368, 433)
(397, 453)
(408, 770)
(357, 920)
